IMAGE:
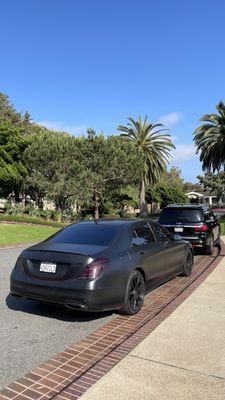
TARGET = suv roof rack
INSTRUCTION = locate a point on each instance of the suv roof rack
(189, 205)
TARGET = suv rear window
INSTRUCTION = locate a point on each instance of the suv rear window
(173, 215)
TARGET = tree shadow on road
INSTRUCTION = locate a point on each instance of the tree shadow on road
(52, 310)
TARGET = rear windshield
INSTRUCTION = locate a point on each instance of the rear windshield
(173, 215)
(86, 234)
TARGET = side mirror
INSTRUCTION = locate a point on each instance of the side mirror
(177, 237)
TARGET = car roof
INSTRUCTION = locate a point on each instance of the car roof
(204, 207)
(119, 222)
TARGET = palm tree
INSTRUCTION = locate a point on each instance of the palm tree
(153, 146)
(210, 139)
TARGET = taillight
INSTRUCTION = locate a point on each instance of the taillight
(202, 228)
(93, 269)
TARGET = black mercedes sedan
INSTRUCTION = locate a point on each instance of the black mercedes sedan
(104, 265)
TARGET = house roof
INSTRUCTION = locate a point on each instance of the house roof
(198, 194)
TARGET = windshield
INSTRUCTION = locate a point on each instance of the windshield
(97, 235)
(173, 215)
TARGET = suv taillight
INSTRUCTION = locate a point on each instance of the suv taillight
(93, 269)
(202, 228)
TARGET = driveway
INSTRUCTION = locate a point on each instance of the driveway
(30, 332)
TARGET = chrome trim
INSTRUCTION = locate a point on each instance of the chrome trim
(189, 237)
(182, 226)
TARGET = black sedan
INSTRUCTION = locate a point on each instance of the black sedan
(105, 265)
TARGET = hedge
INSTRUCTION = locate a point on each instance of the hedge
(31, 220)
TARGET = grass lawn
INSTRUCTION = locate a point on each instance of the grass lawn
(222, 226)
(17, 233)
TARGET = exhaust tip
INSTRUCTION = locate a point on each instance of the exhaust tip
(75, 306)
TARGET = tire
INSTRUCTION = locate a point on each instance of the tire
(135, 294)
(209, 250)
(218, 243)
(188, 264)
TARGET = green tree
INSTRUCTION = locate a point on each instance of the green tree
(166, 194)
(192, 187)
(210, 139)
(125, 196)
(174, 178)
(111, 164)
(9, 115)
(214, 183)
(54, 169)
(12, 170)
(153, 148)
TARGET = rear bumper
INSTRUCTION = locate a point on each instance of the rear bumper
(197, 241)
(77, 295)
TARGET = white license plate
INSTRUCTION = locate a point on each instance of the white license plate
(178, 229)
(48, 267)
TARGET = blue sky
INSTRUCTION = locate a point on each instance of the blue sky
(75, 64)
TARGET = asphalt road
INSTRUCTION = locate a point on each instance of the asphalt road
(31, 333)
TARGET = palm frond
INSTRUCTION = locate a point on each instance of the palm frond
(209, 139)
(153, 143)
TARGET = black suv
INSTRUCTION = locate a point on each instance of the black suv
(193, 222)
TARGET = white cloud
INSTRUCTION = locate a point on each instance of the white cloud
(61, 126)
(170, 119)
(183, 152)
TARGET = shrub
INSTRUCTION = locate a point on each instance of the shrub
(30, 220)
(32, 210)
(14, 208)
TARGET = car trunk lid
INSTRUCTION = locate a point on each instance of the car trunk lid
(185, 230)
(66, 261)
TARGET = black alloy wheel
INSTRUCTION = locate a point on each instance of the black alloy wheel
(135, 294)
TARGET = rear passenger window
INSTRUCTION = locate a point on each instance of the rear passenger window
(142, 236)
(161, 234)
(208, 216)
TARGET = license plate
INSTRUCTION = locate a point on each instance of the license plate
(178, 229)
(48, 267)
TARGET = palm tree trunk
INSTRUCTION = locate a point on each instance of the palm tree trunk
(96, 204)
(142, 204)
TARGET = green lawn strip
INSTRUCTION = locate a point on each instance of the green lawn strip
(222, 225)
(17, 233)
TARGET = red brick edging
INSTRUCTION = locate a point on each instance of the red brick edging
(68, 375)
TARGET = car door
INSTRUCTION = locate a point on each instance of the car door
(148, 251)
(172, 251)
(214, 224)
